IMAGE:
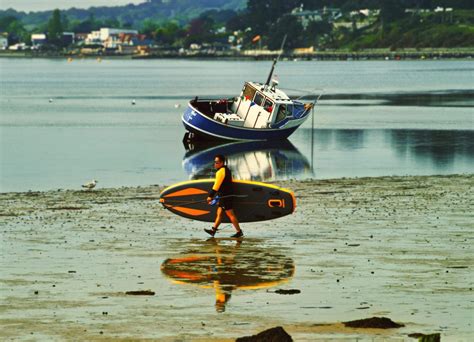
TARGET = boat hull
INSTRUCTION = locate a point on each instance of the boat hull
(206, 128)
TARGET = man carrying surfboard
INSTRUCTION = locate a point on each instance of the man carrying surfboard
(223, 188)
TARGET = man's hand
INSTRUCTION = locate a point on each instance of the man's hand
(209, 200)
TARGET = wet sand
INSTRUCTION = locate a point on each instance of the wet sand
(398, 247)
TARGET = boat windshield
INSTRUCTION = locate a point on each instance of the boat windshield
(283, 112)
(259, 98)
(296, 110)
(249, 92)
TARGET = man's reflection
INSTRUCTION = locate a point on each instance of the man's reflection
(227, 265)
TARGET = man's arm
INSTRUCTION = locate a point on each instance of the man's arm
(220, 175)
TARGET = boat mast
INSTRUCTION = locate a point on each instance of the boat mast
(275, 62)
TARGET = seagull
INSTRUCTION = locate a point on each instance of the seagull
(50, 100)
(133, 102)
(90, 185)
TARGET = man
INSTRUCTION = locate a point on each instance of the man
(224, 189)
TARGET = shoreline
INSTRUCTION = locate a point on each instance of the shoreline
(362, 55)
(398, 247)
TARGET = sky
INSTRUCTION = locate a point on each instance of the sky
(43, 5)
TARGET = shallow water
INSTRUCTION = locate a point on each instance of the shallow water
(62, 124)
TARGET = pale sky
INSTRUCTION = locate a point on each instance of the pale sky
(43, 5)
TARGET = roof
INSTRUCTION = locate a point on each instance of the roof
(272, 92)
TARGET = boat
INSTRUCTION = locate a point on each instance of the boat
(262, 111)
(249, 160)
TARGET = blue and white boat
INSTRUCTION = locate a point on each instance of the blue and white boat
(260, 112)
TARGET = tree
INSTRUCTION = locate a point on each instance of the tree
(16, 30)
(168, 33)
(88, 25)
(149, 27)
(6, 21)
(55, 29)
(263, 13)
(391, 10)
(199, 30)
(286, 25)
(315, 31)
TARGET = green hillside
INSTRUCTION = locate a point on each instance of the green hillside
(133, 15)
(322, 24)
(421, 30)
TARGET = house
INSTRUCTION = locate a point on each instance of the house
(80, 37)
(93, 38)
(109, 37)
(68, 38)
(38, 39)
(443, 9)
(3, 40)
(18, 47)
(305, 17)
(332, 13)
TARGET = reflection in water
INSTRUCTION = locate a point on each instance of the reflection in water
(386, 152)
(341, 153)
(335, 139)
(258, 161)
(350, 139)
(227, 265)
(445, 98)
(440, 147)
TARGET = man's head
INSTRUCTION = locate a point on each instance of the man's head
(219, 161)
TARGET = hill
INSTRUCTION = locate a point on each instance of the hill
(133, 15)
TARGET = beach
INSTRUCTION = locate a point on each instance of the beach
(397, 247)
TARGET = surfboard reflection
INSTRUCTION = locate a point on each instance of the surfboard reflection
(227, 265)
(257, 161)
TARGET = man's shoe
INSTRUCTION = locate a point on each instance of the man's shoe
(238, 234)
(211, 232)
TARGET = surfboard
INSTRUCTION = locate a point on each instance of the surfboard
(252, 201)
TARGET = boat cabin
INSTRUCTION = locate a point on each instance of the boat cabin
(258, 106)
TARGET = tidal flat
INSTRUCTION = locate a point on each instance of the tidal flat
(112, 264)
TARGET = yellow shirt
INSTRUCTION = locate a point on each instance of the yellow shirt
(220, 175)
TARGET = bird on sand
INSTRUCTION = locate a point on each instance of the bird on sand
(90, 185)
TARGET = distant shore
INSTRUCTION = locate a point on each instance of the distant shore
(398, 247)
(372, 54)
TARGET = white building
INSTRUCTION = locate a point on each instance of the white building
(3, 42)
(106, 36)
(93, 38)
(18, 47)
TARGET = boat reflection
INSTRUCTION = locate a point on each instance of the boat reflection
(227, 265)
(257, 161)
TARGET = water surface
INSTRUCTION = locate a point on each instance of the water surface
(62, 124)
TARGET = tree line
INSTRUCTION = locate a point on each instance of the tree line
(270, 20)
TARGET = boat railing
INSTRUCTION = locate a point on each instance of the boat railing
(211, 106)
